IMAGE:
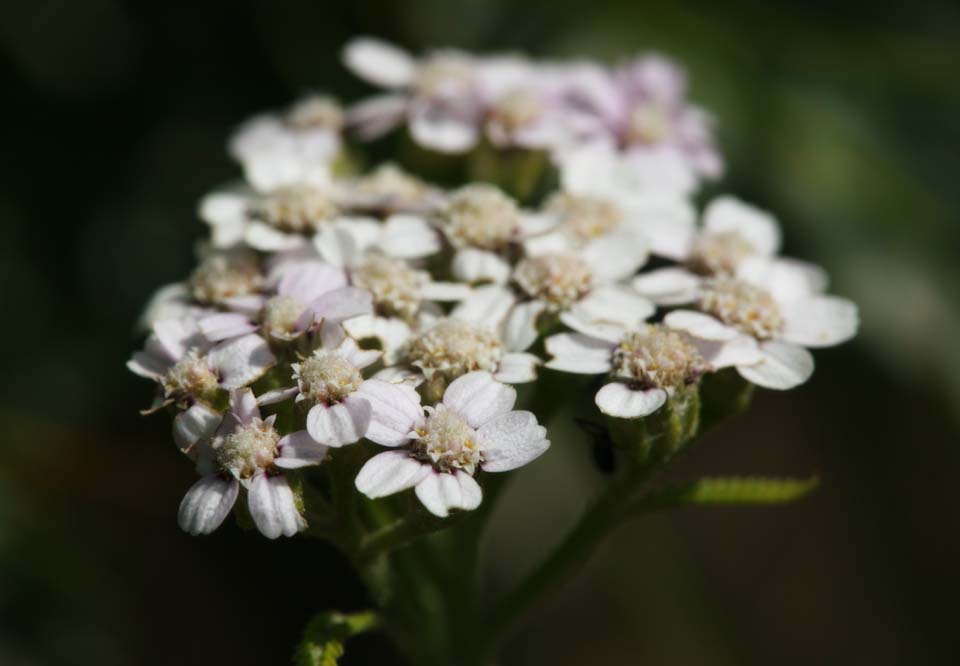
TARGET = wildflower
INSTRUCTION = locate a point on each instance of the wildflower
(473, 428)
(247, 451)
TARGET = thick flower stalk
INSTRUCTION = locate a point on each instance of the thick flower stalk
(341, 362)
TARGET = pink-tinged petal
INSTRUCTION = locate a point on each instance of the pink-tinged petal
(390, 472)
(273, 507)
(511, 440)
(341, 423)
(520, 330)
(616, 256)
(409, 237)
(700, 325)
(277, 395)
(470, 492)
(619, 400)
(197, 423)
(742, 350)
(241, 361)
(148, 365)
(668, 286)
(250, 305)
(440, 492)
(473, 265)
(243, 404)
(207, 504)
(299, 449)
(177, 336)
(819, 321)
(487, 306)
(726, 214)
(395, 411)
(309, 280)
(374, 116)
(379, 62)
(783, 367)
(343, 303)
(332, 334)
(436, 128)
(477, 397)
(613, 305)
(225, 325)
(517, 368)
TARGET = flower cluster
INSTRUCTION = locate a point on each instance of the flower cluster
(372, 306)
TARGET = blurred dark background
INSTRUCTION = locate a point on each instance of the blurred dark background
(842, 118)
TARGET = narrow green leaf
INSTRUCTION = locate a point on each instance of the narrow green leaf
(323, 639)
(727, 490)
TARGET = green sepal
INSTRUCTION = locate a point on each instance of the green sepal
(323, 639)
(655, 439)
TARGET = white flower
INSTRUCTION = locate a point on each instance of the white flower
(308, 293)
(778, 303)
(645, 364)
(389, 189)
(247, 450)
(290, 149)
(473, 427)
(189, 368)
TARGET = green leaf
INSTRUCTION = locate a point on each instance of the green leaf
(323, 639)
(727, 490)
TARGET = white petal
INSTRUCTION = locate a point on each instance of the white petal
(520, 330)
(473, 265)
(148, 365)
(616, 256)
(619, 400)
(549, 243)
(395, 411)
(299, 449)
(374, 116)
(277, 395)
(517, 368)
(435, 127)
(487, 306)
(359, 358)
(243, 405)
(478, 397)
(668, 286)
(613, 305)
(241, 361)
(340, 423)
(307, 281)
(343, 303)
(820, 321)
(400, 375)
(225, 325)
(470, 492)
(667, 221)
(728, 214)
(409, 237)
(267, 239)
(176, 336)
(445, 291)
(197, 423)
(440, 492)
(511, 440)
(575, 352)
(390, 472)
(379, 63)
(742, 350)
(785, 279)
(273, 507)
(392, 333)
(784, 366)
(609, 331)
(700, 325)
(206, 504)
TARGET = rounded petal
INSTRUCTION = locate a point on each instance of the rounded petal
(440, 492)
(578, 353)
(273, 507)
(517, 368)
(241, 361)
(207, 504)
(613, 305)
(473, 265)
(395, 411)
(375, 116)
(340, 423)
(390, 472)
(299, 449)
(820, 321)
(616, 256)
(392, 333)
(487, 306)
(379, 63)
(306, 281)
(520, 330)
(197, 423)
(225, 325)
(668, 286)
(727, 214)
(409, 237)
(445, 291)
(267, 239)
(700, 325)
(619, 400)
(742, 350)
(435, 127)
(785, 279)
(243, 405)
(478, 397)
(511, 440)
(343, 303)
(784, 366)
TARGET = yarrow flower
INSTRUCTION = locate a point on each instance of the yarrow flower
(473, 428)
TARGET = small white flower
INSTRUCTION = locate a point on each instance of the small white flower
(473, 427)
(295, 148)
(388, 189)
(247, 450)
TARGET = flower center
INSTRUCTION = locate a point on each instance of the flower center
(315, 112)
(191, 376)
(327, 377)
(280, 315)
(249, 448)
(394, 284)
(447, 442)
(747, 308)
(656, 357)
(585, 217)
(444, 75)
(482, 216)
(559, 279)
(295, 209)
(719, 254)
(222, 276)
(516, 109)
(453, 348)
(648, 124)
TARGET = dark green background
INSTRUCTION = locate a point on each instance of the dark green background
(841, 118)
